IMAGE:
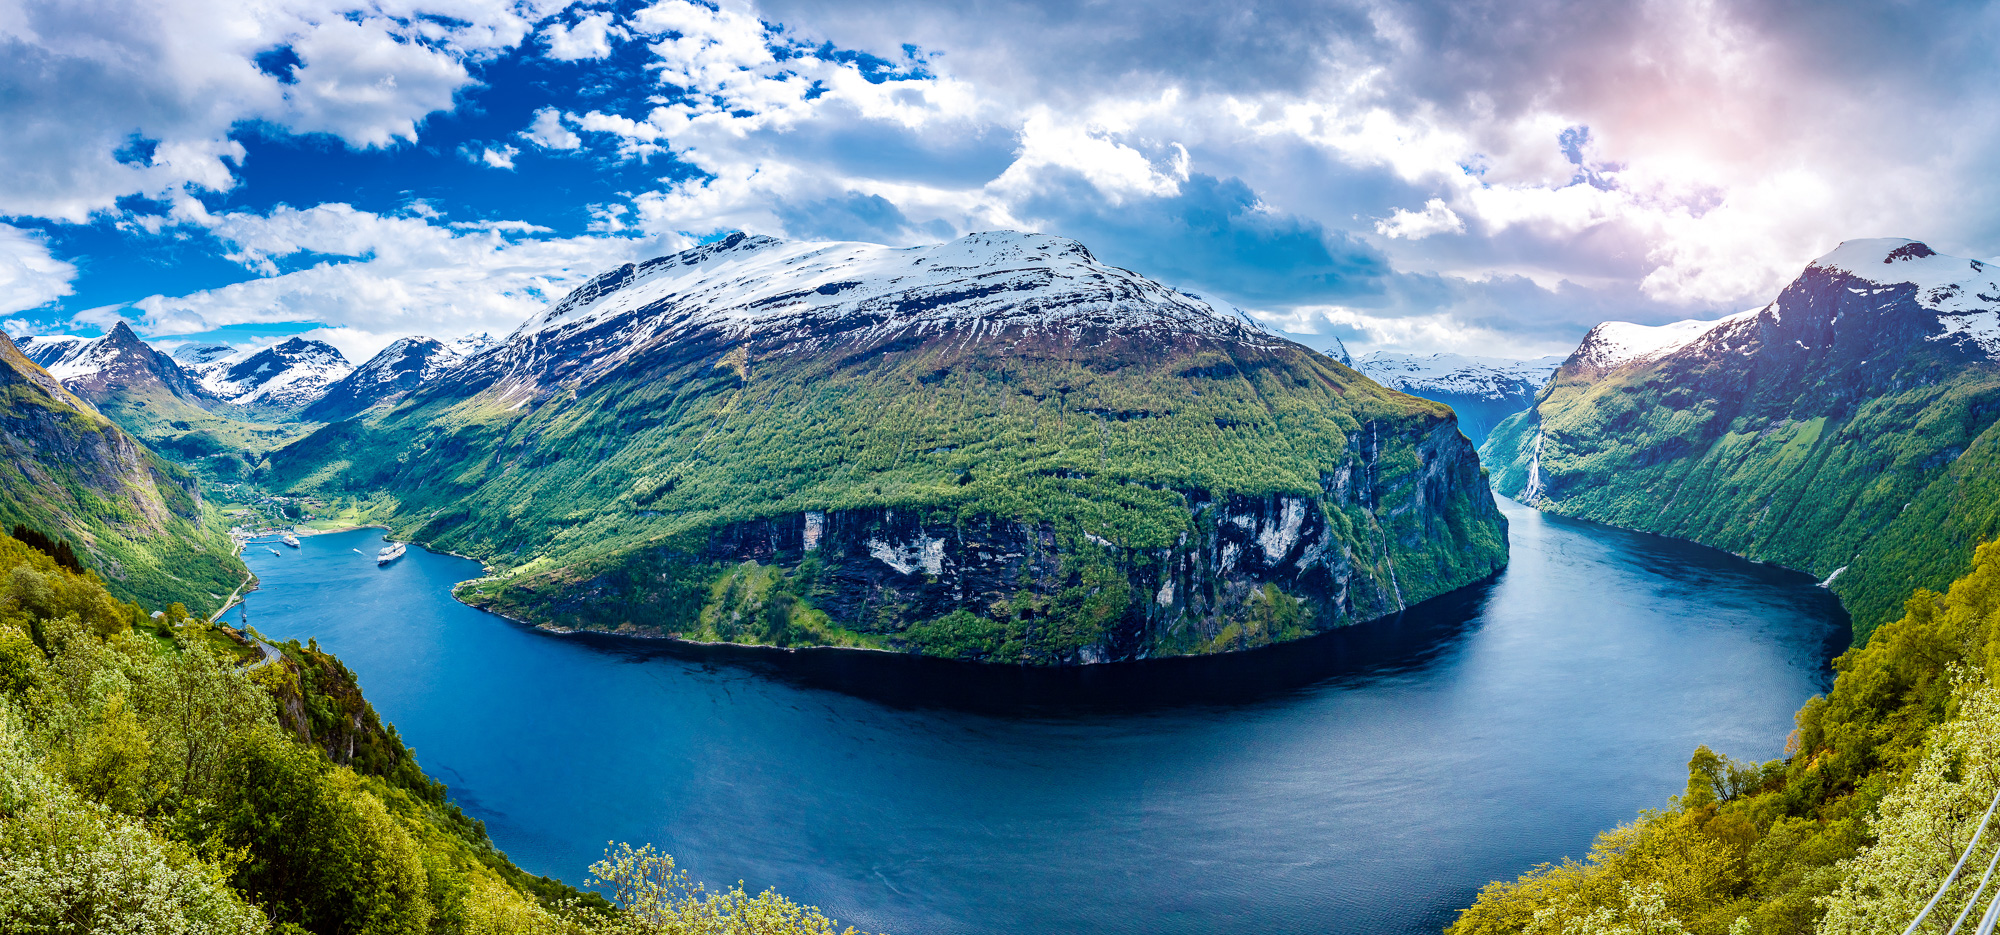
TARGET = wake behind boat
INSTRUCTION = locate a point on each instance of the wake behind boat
(390, 554)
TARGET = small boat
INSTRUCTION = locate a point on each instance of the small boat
(390, 554)
(274, 551)
(359, 552)
(291, 540)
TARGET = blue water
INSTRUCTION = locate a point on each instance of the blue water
(1370, 780)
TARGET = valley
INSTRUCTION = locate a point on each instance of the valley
(1007, 458)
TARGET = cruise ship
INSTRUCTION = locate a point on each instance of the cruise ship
(291, 540)
(390, 554)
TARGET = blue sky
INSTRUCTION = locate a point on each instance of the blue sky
(1413, 176)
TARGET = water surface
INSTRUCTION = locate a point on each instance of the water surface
(1369, 780)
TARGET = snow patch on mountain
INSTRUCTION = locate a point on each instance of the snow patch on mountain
(193, 356)
(1431, 375)
(424, 357)
(473, 345)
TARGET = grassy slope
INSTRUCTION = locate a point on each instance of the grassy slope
(137, 519)
(1761, 849)
(176, 427)
(1876, 485)
(1100, 442)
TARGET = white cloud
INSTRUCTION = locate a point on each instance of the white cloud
(1436, 218)
(548, 132)
(30, 276)
(590, 38)
(491, 156)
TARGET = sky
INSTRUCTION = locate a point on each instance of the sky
(1463, 175)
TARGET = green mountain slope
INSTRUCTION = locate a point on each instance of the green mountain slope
(1846, 428)
(996, 449)
(136, 519)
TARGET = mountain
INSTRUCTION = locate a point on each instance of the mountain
(276, 381)
(387, 377)
(997, 448)
(1845, 429)
(1482, 390)
(150, 395)
(137, 520)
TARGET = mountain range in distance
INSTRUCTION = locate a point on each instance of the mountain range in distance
(1482, 390)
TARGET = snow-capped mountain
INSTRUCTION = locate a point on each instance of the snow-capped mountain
(196, 356)
(1902, 284)
(804, 296)
(283, 377)
(49, 350)
(1483, 390)
(116, 363)
(386, 377)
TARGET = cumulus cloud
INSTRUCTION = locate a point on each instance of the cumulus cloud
(1436, 218)
(589, 38)
(548, 132)
(30, 276)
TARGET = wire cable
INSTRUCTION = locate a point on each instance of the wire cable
(1985, 922)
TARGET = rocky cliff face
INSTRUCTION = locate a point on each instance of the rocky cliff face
(1845, 427)
(999, 448)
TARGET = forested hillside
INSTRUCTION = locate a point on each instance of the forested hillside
(133, 517)
(164, 775)
(1850, 833)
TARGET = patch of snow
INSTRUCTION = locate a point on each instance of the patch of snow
(473, 345)
(1980, 327)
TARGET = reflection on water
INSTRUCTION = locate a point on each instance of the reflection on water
(1368, 780)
